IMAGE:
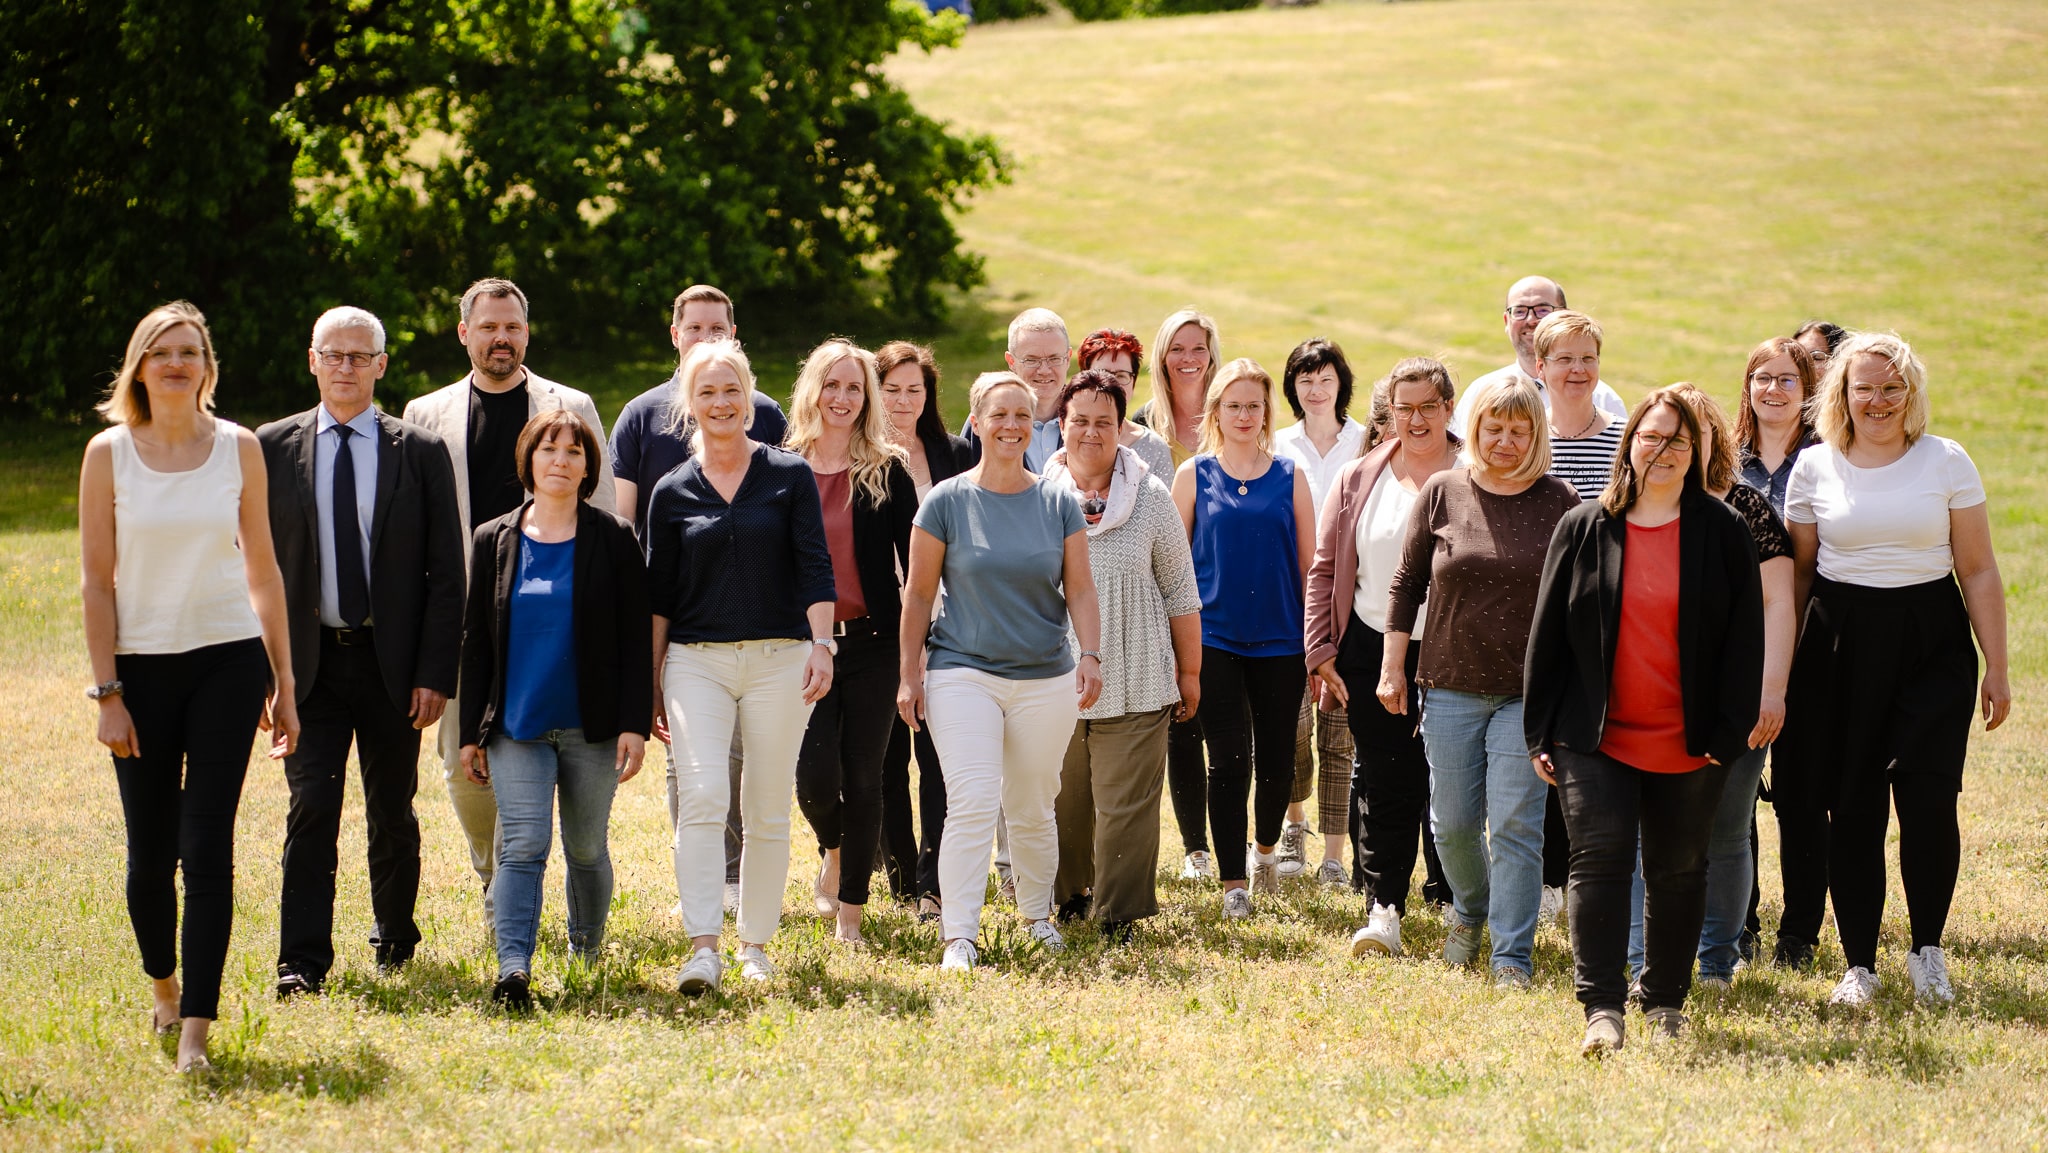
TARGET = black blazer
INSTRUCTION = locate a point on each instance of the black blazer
(881, 538)
(948, 456)
(1578, 618)
(415, 553)
(614, 627)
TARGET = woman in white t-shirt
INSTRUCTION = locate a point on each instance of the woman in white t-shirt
(1359, 538)
(1317, 385)
(1886, 523)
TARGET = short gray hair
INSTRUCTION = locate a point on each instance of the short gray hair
(1037, 320)
(348, 316)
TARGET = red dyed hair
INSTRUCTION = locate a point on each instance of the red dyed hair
(1109, 342)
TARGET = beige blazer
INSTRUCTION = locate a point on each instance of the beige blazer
(445, 411)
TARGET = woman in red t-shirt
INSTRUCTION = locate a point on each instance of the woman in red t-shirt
(1644, 670)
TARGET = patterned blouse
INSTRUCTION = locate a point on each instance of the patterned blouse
(1144, 573)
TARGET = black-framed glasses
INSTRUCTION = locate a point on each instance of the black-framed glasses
(1530, 311)
(354, 359)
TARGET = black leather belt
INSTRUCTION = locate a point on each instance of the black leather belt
(857, 627)
(347, 638)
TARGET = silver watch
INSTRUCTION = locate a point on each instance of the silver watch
(827, 643)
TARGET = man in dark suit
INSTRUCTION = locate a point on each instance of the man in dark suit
(369, 538)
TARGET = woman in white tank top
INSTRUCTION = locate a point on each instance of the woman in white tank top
(185, 625)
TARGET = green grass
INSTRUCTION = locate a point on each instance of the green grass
(1698, 176)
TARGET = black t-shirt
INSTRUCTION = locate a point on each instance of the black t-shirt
(495, 419)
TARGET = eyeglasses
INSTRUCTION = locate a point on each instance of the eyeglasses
(184, 352)
(1530, 311)
(1121, 377)
(1870, 392)
(1658, 442)
(1427, 411)
(1034, 363)
(1761, 380)
(354, 359)
(1570, 362)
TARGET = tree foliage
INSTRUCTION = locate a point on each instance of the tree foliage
(267, 158)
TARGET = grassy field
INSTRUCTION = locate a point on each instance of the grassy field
(1697, 176)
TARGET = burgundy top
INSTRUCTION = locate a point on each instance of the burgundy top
(1645, 702)
(835, 492)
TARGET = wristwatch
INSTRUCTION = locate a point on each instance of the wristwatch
(827, 643)
(103, 691)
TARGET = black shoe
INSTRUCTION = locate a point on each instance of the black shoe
(1075, 908)
(1117, 933)
(512, 992)
(391, 957)
(290, 984)
(1792, 952)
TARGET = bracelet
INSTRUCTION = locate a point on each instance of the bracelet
(112, 688)
(1092, 653)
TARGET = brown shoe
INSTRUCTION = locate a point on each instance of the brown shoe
(1605, 1033)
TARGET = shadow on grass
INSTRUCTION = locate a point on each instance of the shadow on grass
(346, 1078)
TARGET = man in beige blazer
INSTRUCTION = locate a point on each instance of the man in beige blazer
(478, 418)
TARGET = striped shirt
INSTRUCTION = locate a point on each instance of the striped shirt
(1588, 462)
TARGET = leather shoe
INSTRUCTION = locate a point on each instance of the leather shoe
(291, 984)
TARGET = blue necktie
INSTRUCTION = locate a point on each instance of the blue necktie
(351, 578)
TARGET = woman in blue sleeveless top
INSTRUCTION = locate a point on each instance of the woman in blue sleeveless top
(1252, 526)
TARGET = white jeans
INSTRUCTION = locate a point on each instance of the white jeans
(1000, 744)
(705, 686)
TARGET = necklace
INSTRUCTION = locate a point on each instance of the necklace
(1580, 435)
(1242, 490)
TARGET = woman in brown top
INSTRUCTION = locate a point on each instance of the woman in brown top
(1475, 549)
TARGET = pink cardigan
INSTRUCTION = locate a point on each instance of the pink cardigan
(1333, 577)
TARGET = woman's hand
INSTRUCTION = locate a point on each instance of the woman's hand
(910, 701)
(281, 719)
(1088, 680)
(1996, 698)
(1393, 689)
(1190, 695)
(817, 674)
(476, 766)
(117, 728)
(1332, 684)
(1544, 768)
(1770, 720)
(632, 750)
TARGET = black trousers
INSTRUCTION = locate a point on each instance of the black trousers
(195, 719)
(1611, 808)
(1803, 837)
(913, 855)
(349, 704)
(1557, 841)
(1249, 709)
(839, 767)
(1885, 688)
(1389, 777)
(1187, 782)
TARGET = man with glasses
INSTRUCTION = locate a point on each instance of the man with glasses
(1529, 300)
(363, 514)
(1039, 351)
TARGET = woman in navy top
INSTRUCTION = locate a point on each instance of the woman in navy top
(742, 588)
(1251, 521)
(555, 688)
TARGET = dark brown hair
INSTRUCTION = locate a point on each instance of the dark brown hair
(542, 428)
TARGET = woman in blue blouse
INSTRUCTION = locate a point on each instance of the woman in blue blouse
(742, 589)
(555, 692)
(1251, 521)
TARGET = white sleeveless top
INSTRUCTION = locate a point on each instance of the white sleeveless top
(179, 583)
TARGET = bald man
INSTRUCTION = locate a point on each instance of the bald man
(1530, 300)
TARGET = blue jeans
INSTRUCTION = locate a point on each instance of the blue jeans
(1729, 868)
(525, 776)
(1486, 813)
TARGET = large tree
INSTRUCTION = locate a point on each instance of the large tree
(269, 157)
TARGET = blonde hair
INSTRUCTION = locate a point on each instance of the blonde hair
(1720, 463)
(1561, 324)
(1162, 387)
(1831, 408)
(1512, 399)
(985, 384)
(1242, 369)
(127, 399)
(1624, 486)
(868, 448)
(701, 356)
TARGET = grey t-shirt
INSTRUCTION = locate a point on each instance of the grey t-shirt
(1002, 609)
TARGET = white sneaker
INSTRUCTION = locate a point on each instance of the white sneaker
(676, 910)
(1330, 875)
(732, 898)
(1047, 935)
(1237, 904)
(1292, 849)
(960, 956)
(1929, 970)
(1551, 904)
(1461, 944)
(1197, 866)
(755, 965)
(1265, 872)
(1858, 986)
(1382, 933)
(701, 973)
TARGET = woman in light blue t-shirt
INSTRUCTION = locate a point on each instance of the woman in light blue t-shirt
(1011, 553)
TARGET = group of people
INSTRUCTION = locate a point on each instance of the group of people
(1544, 640)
